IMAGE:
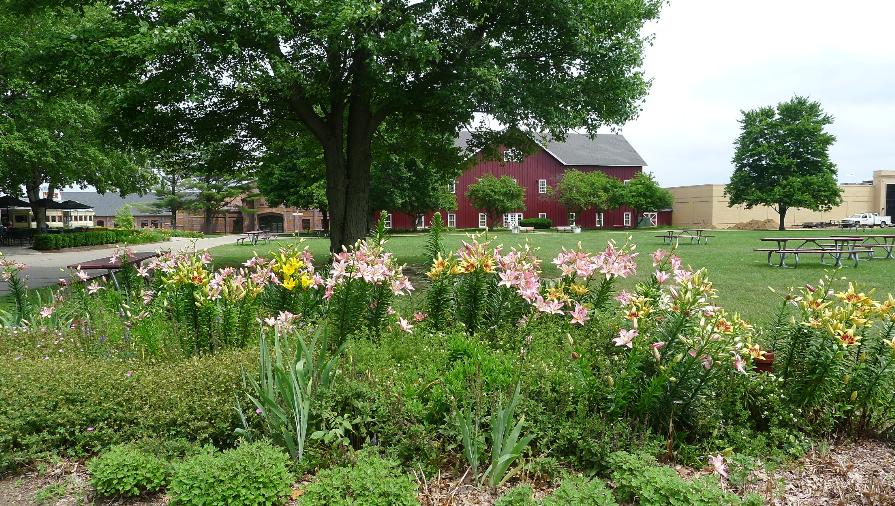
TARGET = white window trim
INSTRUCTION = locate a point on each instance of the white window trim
(452, 220)
(600, 220)
(572, 219)
(421, 220)
(627, 219)
(542, 186)
(388, 221)
(626, 181)
(542, 215)
(483, 220)
(453, 186)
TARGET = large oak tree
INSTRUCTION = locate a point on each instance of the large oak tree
(782, 159)
(337, 71)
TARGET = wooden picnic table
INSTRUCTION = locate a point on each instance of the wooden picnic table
(835, 246)
(253, 236)
(886, 242)
(698, 235)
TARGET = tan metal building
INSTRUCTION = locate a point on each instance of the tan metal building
(706, 204)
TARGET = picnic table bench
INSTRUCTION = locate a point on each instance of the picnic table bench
(566, 228)
(698, 235)
(254, 236)
(837, 247)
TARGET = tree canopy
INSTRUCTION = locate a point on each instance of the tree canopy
(54, 98)
(338, 71)
(581, 191)
(642, 193)
(496, 196)
(782, 159)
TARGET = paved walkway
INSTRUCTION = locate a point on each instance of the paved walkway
(45, 268)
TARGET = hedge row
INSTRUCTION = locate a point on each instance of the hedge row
(76, 406)
(539, 223)
(95, 237)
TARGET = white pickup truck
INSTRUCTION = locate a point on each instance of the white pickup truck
(866, 220)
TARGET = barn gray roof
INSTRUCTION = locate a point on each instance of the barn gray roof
(581, 149)
(109, 203)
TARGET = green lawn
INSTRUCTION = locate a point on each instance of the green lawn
(741, 276)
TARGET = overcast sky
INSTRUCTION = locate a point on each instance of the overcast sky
(713, 58)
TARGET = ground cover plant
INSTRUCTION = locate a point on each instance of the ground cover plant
(496, 363)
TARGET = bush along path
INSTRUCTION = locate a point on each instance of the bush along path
(277, 380)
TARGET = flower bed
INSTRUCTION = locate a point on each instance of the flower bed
(494, 371)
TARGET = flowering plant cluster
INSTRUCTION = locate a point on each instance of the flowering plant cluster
(838, 349)
(486, 283)
(677, 343)
(363, 280)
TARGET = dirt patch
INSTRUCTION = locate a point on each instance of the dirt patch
(849, 473)
(768, 224)
(64, 483)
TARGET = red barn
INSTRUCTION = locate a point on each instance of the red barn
(537, 173)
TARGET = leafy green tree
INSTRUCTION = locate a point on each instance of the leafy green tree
(53, 101)
(496, 196)
(782, 159)
(124, 218)
(643, 193)
(338, 71)
(174, 191)
(581, 191)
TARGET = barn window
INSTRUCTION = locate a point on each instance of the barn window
(542, 215)
(483, 220)
(627, 219)
(388, 220)
(542, 186)
(572, 219)
(452, 220)
(599, 220)
(452, 186)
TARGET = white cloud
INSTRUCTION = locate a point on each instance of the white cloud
(713, 58)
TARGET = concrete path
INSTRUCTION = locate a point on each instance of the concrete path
(45, 268)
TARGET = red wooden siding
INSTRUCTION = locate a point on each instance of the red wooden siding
(540, 165)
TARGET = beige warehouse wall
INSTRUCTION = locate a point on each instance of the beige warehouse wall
(706, 205)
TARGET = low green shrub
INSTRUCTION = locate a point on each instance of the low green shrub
(95, 237)
(127, 470)
(77, 405)
(371, 481)
(574, 491)
(251, 474)
(520, 495)
(538, 223)
(638, 477)
(578, 491)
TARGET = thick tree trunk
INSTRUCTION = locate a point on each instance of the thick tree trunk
(782, 212)
(208, 224)
(40, 213)
(347, 190)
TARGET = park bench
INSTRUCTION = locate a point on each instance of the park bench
(563, 229)
(241, 240)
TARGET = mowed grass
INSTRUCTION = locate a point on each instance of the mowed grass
(741, 276)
